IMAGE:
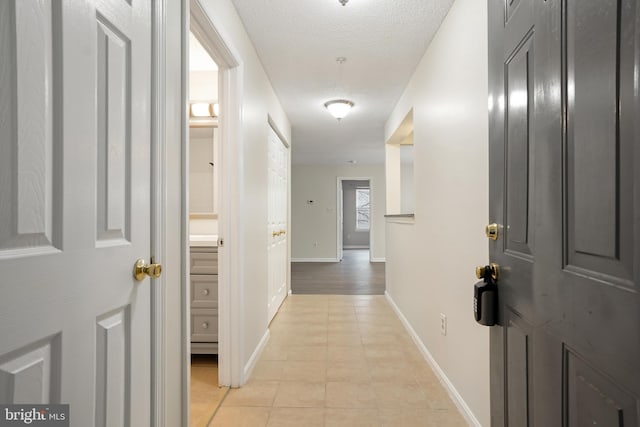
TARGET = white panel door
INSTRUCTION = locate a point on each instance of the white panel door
(75, 207)
(277, 222)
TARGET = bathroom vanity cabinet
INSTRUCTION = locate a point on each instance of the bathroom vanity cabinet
(204, 300)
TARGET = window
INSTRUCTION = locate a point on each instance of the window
(363, 209)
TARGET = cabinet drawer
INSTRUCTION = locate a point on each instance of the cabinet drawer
(204, 291)
(204, 325)
(204, 263)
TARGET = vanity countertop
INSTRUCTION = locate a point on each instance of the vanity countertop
(203, 240)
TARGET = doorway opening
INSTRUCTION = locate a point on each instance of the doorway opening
(211, 307)
(354, 217)
(206, 392)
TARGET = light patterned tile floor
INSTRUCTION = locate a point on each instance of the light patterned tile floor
(206, 395)
(339, 360)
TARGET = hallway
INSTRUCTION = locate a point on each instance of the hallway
(338, 360)
(355, 275)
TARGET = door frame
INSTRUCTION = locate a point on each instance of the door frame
(158, 210)
(170, 91)
(230, 89)
(340, 215)
(230, 85)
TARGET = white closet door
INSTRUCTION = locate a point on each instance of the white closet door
(75, 207)
(277, 222)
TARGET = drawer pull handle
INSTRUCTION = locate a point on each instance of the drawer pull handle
(205, 325)
(205, 291)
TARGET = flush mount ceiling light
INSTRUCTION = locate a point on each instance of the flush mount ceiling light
(339, 108)
(343, 2)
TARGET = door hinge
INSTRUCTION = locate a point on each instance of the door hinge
(220, 242)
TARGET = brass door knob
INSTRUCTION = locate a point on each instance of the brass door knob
(494, 271)
(492, 231)
(142, 269)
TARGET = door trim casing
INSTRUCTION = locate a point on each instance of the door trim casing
(158, 214)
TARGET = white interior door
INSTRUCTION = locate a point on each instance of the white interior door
(277, 222)
(75, 207)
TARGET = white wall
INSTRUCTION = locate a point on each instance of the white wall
(203, 85)
(311, 223)
(258, 103)
(407, 186)
(430, 264)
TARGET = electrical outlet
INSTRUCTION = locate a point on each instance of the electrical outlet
(443, 324)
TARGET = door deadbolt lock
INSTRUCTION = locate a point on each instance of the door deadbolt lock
(492, 231)
(142, 270)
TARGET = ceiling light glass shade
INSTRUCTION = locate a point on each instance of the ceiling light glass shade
(339, 108)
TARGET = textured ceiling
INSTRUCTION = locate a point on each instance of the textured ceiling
(298, 42)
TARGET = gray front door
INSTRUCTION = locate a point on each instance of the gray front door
(564, 112)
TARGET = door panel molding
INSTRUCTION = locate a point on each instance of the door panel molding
(113, 363)
(30, 128)
(31, 374)
(113, 223)
(593, 398)
(517, 355)
(599, 64)
(519, 165)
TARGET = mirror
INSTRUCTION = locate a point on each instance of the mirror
(202, 171)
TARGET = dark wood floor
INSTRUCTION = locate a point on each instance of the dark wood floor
(355, 275)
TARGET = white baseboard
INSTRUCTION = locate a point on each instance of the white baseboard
(315, 260)
(251, 364)
(355, 247)
(378, 260)
(444, 380)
